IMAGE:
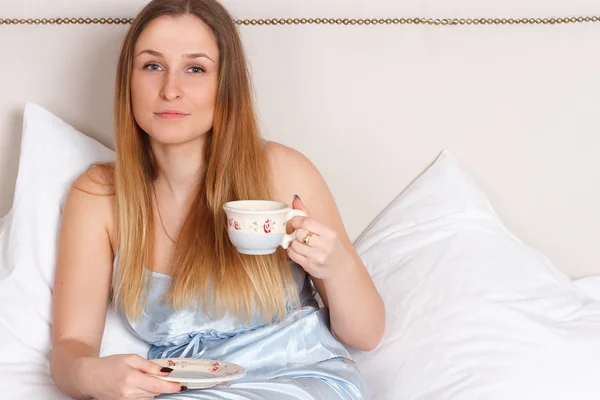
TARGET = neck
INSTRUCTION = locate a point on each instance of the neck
(181, 167)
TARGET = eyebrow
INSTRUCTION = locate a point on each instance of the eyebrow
(189, 56)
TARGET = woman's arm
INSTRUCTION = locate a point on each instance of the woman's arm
(82, 282)
(356, 308)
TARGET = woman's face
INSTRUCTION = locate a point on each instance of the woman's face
(174, 79)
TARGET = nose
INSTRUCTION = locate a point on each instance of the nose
(171, 87)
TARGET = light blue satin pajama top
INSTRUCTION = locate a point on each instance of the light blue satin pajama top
(297, 358)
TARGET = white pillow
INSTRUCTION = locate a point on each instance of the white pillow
(472, 312)
(52, 155)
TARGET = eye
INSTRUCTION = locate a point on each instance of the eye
(152, 67)
(196, 70)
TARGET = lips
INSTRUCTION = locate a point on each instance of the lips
(171, 114)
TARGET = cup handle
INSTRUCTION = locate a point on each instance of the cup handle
(288, 239)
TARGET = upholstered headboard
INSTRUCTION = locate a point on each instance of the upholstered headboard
(371, 91)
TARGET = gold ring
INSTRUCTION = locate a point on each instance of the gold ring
(306, 239)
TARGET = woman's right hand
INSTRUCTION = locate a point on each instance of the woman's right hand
(123, 377)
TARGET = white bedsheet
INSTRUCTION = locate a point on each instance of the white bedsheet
(32, 380)
(590, 286)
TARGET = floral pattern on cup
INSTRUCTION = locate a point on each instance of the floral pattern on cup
(268, 225)
(235, 224)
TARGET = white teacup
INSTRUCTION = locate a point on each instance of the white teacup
(258, 227)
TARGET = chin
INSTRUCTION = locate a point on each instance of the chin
(174, 138)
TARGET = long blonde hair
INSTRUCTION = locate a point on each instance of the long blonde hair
(206, 268)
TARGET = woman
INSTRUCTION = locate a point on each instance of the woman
(149, 233)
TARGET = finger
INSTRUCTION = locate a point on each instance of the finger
(146, 366)
(155, 385)
(309, 224)
(313, 256)
(298, 204)
(297, 257)
(314, 240)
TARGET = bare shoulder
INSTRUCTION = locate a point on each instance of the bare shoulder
(277, 152)
(291, 171)
(91, 198)
(97, 180)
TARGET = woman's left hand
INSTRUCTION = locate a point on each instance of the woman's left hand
(317, 247)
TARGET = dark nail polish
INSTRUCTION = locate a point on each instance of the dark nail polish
(166, 369)
(183, 388)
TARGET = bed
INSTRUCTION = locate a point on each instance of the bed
(458, 138)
